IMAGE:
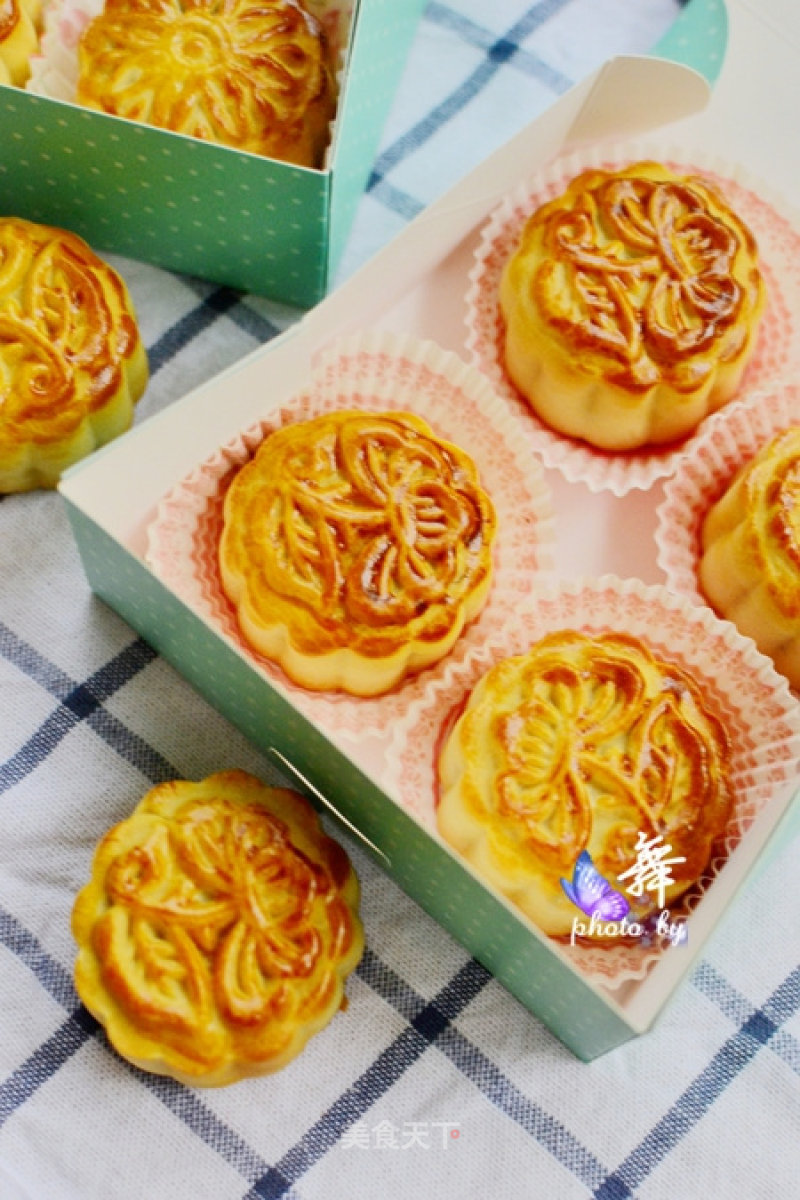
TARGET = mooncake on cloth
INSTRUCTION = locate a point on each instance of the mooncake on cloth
(749, 569)
(72, 362)
(20, 21)
(356, 546)
(217, 930)
(631, 306)
(251, 74)
(583, 745)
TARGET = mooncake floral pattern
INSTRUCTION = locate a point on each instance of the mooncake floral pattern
(215, 933)
(649, 273)
(252, 74)
(602, 718)
(365, 520)
(70, 351)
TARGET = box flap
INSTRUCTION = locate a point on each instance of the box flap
(627, 96)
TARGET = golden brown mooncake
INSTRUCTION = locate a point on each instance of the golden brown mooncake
(631, 306)
(217, 930)
(356, 546)
(582, 744)
(251, 74)
(750, 564)
(20, 22)
(72, 362)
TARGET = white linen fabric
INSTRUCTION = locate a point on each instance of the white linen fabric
(434, 1081)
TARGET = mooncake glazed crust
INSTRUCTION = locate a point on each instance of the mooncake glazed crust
(580, 744)
(73, 362)
(749, 569)
(631, 306)
(20, 22)
(217, 930)
(355, 548)
(250, 74)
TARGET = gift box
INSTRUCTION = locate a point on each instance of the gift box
(262, 226)
(410, 296)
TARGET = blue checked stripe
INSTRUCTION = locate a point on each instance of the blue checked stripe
(498, 51)
(267, 1181)
(51, 1055)
(219, 302)
(766, 1022)
(80, 702)
(758, 1029)
(506, 49)
(45, 1061)
(54, 978)
(76, 1030)
(423, 1030)
(429, 1023)
(549, 1132)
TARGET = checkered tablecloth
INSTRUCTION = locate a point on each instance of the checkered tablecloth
(434, 1082)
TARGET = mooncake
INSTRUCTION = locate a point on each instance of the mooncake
(749, 568)
(631, 306)
(20, 22)
(73, 362)
(250, 74)
(584, 748)
(356, 546)
(217, 930)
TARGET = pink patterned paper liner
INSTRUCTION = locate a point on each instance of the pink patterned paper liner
(459, 405)
(731, 439)
(760, 713)
(778, 347)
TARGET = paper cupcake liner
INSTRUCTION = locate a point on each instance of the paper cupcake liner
(759, 712)
(730, 440)
(777, 354)
(378, 372)
(54, 68)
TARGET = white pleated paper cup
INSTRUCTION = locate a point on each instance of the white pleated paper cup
(777, 355)
(54, 69)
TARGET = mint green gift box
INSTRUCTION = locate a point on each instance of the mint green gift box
(252, 223)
